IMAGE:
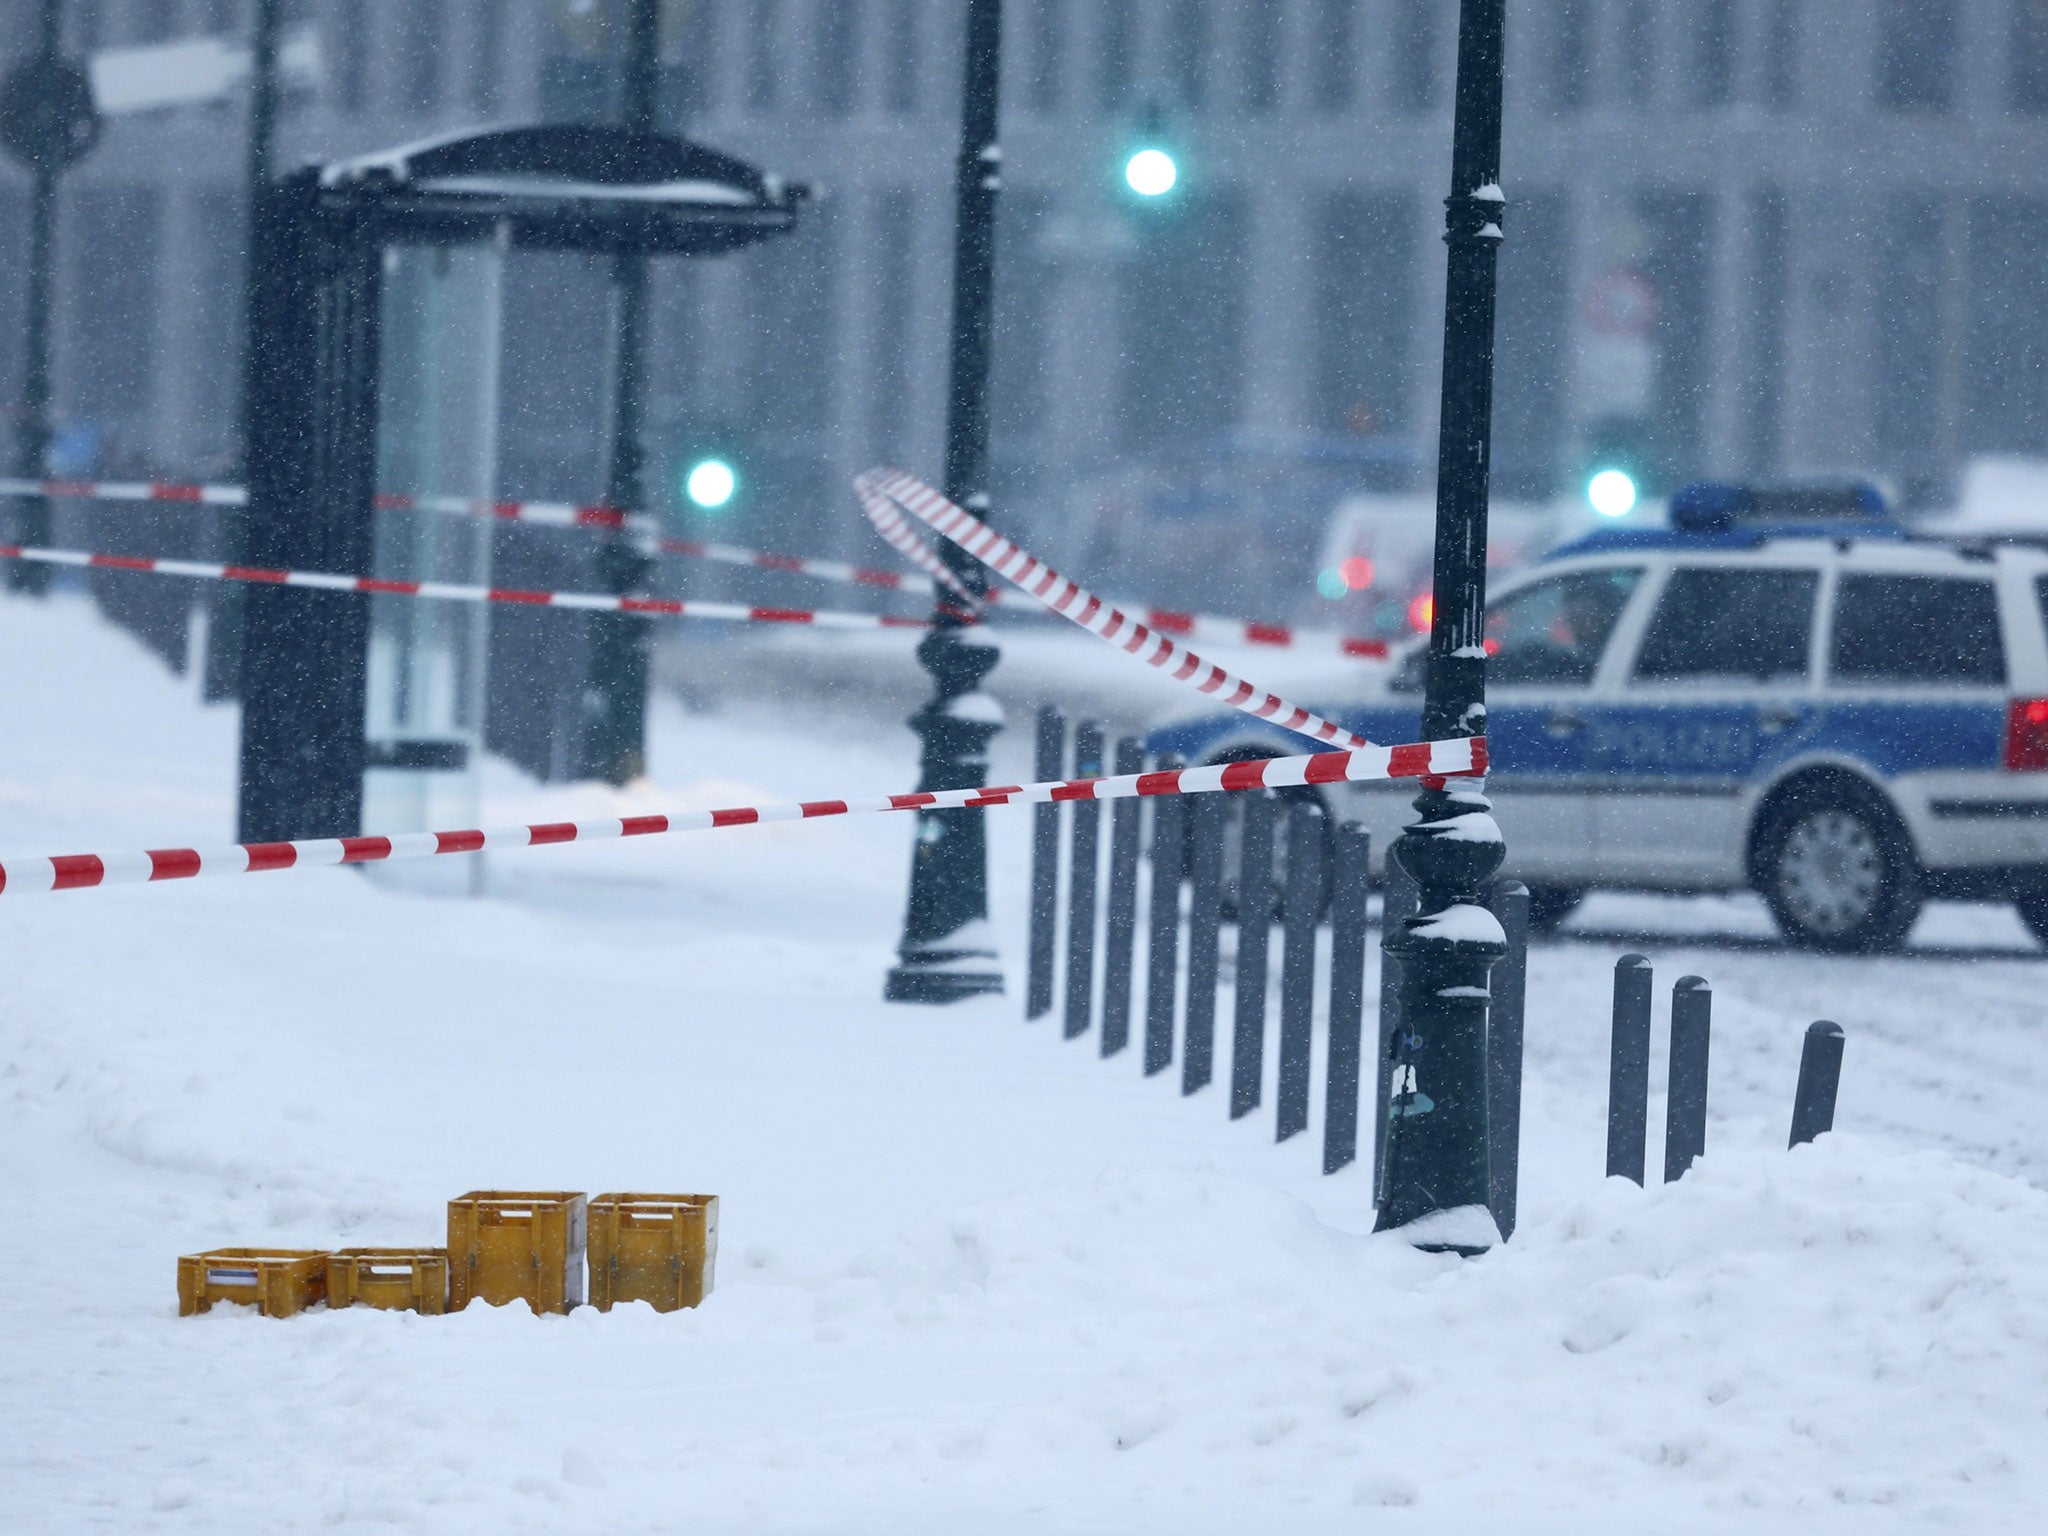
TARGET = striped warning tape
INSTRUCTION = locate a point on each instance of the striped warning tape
(460, 592)
(1209, 628)
(883, 491)
(77, 871)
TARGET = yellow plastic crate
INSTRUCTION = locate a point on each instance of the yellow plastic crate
(275, 1281)
(517, 1245)
(653, 1248)
(395, 1279)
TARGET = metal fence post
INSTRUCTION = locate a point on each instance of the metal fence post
(1254, 941)
(1205, 819)
(1685, 1102)
(1120, 927)
(1628, 1070)
(1162, 972)
(1399, 903)
(1300, 917)
(1350, 880)
(1820, 1075)
(1047, 753)
(1504, 1054)
(1087, 838)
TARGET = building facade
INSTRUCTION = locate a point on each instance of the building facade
(1777, 237)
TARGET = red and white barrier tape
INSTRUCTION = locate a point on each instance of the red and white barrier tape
(564, 514)
(460, 592)
(882, 491)
(77, 871)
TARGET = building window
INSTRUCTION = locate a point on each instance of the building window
(1781, 54)
(1416, 28)
(156, 20)
(1713, 53)
(1262, 59)
(1116, 54)
(1638, 52)
(837, 59)
(899, 91)
(764, 79)
(1917, 56)
(1571, 55)
(422, 43)
(352, 66)
(1334, 52)
(1187, 52)
(1045, 50)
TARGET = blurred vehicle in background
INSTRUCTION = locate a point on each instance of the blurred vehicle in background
(1788, 692)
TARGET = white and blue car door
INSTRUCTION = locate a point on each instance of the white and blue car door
(1545, 642)
(1721, 688)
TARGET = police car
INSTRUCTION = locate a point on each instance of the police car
(1782, 691)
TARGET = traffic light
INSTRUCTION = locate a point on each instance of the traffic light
(709, 471)
(1151, 163)
(1617, 470)
(710, 483)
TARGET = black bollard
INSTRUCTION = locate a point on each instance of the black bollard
(1205, 819)
(1396, 907)
(1087, 839)
(1254, 940)
(1504, 1053)
(1685, 1101)
(1628, 1070)
(1047, 753)
(1820, 1075)
(1299, 919)
(1350, 881)
(1162, 969)
(1120, 925)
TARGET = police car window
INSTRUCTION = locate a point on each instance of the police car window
(1916, 629)
(1744, 625)
(1554, 631)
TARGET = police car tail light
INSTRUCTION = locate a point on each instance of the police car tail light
(2026, 735)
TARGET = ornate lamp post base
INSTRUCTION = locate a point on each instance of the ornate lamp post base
(948, 951)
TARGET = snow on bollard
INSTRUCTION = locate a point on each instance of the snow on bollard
(1685, 1102)
(1820, 1075)
(1628, 1070)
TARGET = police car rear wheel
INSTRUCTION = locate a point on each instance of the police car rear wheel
(1838, 875)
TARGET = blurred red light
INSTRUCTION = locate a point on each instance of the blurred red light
(2026, 736)
(1357, 572)
(1422, 613)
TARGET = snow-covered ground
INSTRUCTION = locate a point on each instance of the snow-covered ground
(972, 1278)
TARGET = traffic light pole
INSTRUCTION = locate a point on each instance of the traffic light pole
(615, 729)
(32, 434)
(946, 952)
(1435, 1167)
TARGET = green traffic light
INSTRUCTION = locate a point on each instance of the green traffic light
(1612, 493)
(1151, 173)
(710, 484)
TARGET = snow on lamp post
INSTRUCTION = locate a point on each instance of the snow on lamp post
(1434, 1165)
(946, 952)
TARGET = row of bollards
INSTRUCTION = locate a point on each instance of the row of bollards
(1685, 1092)
(1293, 871)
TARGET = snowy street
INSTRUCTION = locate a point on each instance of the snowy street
(971, 1278)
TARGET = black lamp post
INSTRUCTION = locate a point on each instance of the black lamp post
(1434, 1172)
(615, 727)
(47, 121)
(946, 952)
